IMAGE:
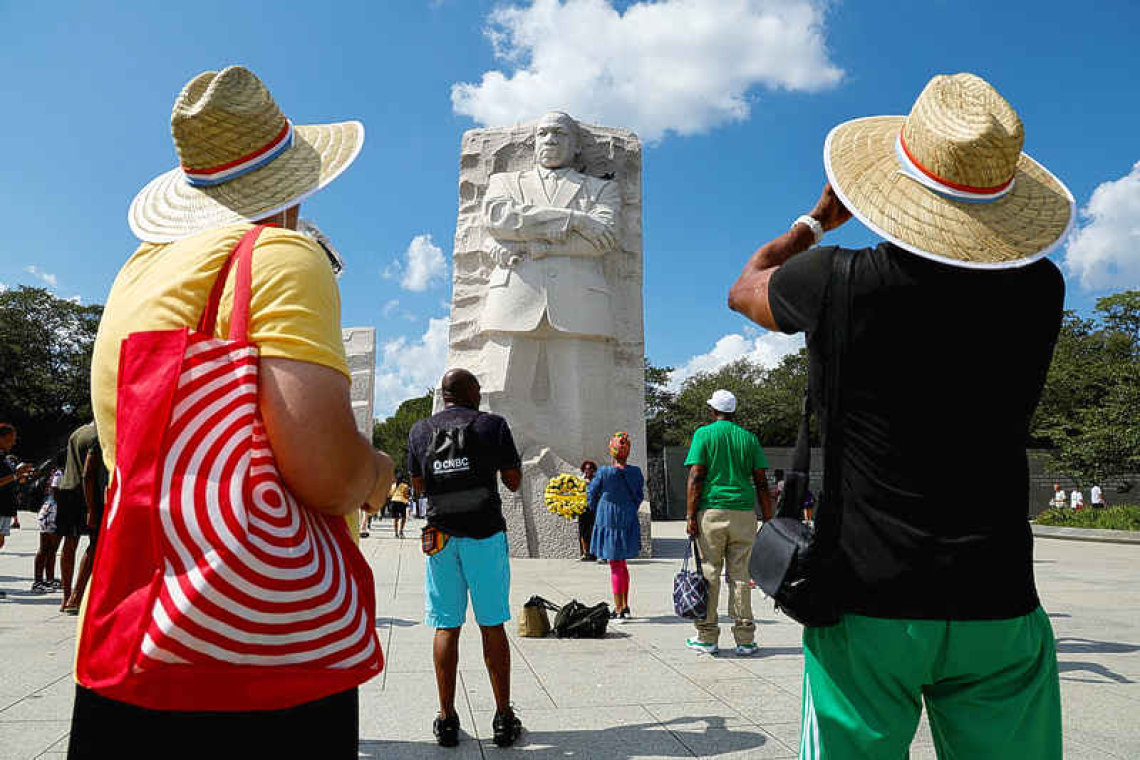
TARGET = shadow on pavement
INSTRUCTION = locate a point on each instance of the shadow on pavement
(396, 622)
(615, 743)
(1072, 645)
(1106, 674)
(1091, 646)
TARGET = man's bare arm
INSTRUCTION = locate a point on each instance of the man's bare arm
(512, 479)
(760, 478)
(326, 463)
(695, 487)
(749, 294)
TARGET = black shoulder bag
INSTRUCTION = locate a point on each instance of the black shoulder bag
(794, 564)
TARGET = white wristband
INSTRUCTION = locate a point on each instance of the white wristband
(812, 224)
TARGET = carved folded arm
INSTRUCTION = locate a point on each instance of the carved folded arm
(507, 219)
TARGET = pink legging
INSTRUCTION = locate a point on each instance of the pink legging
(619, 576)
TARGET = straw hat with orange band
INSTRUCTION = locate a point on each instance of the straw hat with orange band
(241, 159)
(949, 182)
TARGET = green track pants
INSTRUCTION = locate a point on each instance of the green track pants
(990, 686)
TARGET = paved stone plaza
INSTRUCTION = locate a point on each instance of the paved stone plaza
(637, 694)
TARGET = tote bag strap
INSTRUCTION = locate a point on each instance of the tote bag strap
(242, 257)
(829, 513)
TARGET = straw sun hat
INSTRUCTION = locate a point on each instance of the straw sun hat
(240, 159)
(949, 182)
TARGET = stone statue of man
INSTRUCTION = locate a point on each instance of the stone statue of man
(547, 309)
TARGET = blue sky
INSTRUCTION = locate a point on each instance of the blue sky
(733, 98)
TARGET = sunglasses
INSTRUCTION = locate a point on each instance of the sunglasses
(309, 228)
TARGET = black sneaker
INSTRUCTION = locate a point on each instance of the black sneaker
(626, 614)
(507, 728)
(446, 730)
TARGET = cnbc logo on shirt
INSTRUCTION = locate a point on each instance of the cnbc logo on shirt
(445, 466)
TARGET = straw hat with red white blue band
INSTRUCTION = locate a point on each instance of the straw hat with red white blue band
(240, 159)
(949, 182)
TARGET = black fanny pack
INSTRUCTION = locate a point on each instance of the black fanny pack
(800, 566)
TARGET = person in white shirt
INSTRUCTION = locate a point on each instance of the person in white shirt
(1096, 497)
(1076, 499)
(1058, 501)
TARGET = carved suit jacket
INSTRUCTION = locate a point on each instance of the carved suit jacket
(542, 266)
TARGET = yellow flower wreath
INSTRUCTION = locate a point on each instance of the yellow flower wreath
(565, 495)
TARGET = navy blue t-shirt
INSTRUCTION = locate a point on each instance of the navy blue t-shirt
(943, 371)
(7, 492)
(496, 451)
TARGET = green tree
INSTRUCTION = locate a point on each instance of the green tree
(658, 402)
(45, 366)
(391, 435)
(1091, 401)
(769, 401)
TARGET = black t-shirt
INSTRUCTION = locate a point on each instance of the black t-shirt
(496, 448)
(7, 492)
(945, 368)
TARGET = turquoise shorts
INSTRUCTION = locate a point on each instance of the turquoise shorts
(479, 566)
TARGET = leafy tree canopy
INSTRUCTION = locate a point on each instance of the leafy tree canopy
(45, 367)
(391, 435)
(1091, 402)
(768, 400)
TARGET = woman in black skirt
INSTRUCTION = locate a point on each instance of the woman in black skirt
(586, 519)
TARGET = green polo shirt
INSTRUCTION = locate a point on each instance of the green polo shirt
(730, 453)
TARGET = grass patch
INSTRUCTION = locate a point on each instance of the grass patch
(1122, 517)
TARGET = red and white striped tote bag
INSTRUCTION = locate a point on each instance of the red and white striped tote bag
(213, 588)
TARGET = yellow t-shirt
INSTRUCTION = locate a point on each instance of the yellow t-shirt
(294, 309)
(400, 493)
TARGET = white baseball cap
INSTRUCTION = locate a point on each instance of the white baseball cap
(723, 401)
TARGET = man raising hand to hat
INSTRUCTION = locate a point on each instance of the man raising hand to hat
(953, 319)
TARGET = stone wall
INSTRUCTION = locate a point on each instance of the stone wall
(360, 349)
(1041, 480)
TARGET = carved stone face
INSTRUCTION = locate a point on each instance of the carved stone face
(555, 140)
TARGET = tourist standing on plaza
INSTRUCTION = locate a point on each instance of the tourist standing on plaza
(615, 494)
(727, 481)
(71, 508)
(586, 520)
(44, 569)
(399, 498)
(455, 457)
(939, 602)
(1096, 497)
(94, 490)
(10, 478)
(1059, 500)
(254, 352)
(1076, 499)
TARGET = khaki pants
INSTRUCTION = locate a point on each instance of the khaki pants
(726, 537)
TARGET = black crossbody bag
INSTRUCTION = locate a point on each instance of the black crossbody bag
(799, 566)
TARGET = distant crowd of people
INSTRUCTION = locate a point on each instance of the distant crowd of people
(1076, 499)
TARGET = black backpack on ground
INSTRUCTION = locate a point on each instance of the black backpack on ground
(451, 470)
(577, 621)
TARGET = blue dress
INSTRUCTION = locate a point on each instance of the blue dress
(615, 495)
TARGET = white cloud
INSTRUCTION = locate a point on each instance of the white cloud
(1105, 252)
(3, 287)
(684, 66)
(766, 348)
(390, 307)
(46, 277)
(425, 265)
(409, 367)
